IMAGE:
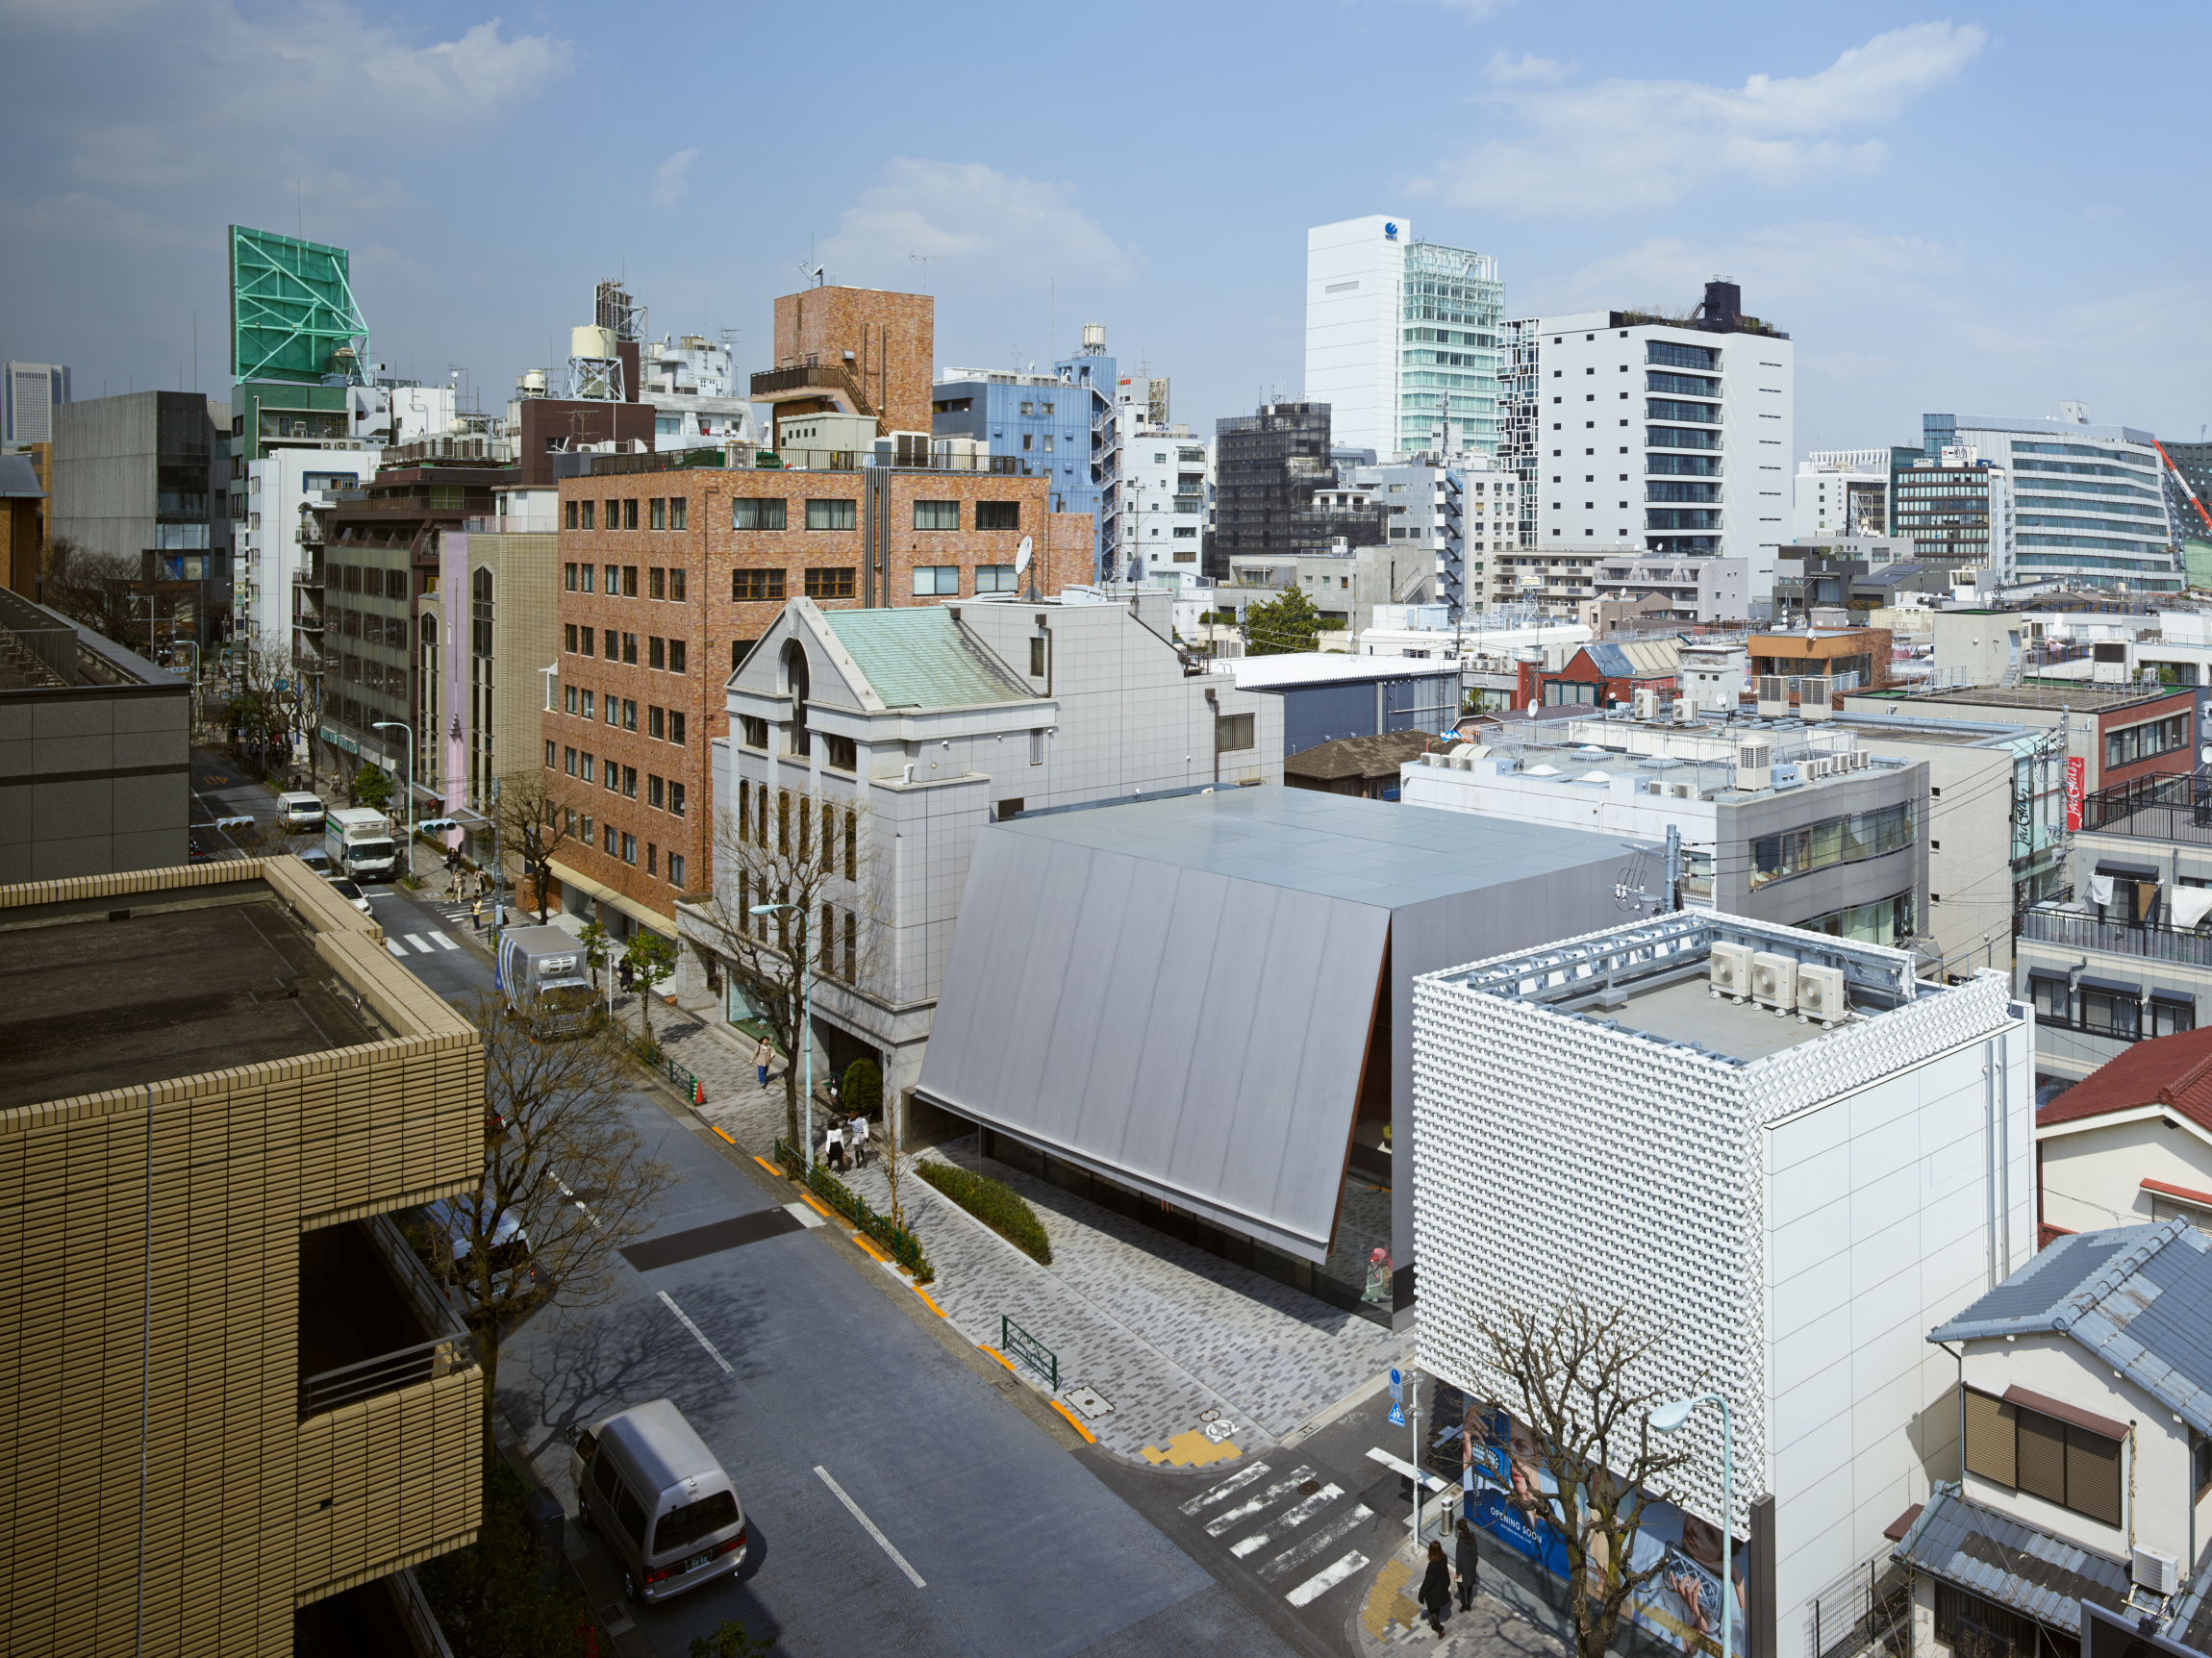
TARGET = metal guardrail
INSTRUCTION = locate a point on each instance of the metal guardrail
(1017, 1342)
(904, 1246)
(384, 1373)
(2150, 942)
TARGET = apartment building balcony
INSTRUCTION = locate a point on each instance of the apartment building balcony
(371, 1319)
(829, 383)
(2177, 808)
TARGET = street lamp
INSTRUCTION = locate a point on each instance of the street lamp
(1667, 1419)
(806, 1034)
(400, 725)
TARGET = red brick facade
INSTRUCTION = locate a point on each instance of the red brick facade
(699, 582)
(891, 337)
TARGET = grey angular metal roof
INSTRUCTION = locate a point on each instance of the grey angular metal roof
(2007, 1561)
(2139, 1298)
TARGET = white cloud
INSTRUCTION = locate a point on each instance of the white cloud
(991, 230)
(1528, 70)
(1621, 144)
(671, 179)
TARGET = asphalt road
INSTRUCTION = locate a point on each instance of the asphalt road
(796, 1358)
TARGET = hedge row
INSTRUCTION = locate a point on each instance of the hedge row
(994, 1202)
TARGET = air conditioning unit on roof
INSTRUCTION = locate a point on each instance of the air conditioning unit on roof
(1728, 970)
(1774, 981)
(1820, 994)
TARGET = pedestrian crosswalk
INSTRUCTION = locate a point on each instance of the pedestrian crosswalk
(420, 945)
(1262, 1510)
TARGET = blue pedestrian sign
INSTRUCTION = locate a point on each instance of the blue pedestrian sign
(1397, 1415)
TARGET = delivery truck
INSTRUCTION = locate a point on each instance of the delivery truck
(543, 967)
(360, 843)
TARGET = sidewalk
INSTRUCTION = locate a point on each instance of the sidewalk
(1391, 1622)
(1167, 1354)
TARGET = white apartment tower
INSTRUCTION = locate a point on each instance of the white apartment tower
(1402, 338)
(1673, 436)
(31, 393)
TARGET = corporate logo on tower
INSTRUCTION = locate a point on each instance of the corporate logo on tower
(1390, 230)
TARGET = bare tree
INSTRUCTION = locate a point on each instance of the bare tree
(536, 818)
(265, 709)
(566, 1184)
(803, 852)
(95, 588)
(1574, 1381)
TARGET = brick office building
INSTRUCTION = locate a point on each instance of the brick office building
(668, 576)
(854, 351)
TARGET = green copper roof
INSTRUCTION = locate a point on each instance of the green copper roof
(920, 658)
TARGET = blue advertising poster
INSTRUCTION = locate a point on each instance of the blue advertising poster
(1515, 1499)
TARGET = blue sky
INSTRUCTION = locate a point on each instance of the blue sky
(1978, 210)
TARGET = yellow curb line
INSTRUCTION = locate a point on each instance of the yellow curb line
(1087, 1434)
(924, 1295)
(868, 1243)
(731, 1138)
(999, 1356)
(808, 1198)
(762, 1161)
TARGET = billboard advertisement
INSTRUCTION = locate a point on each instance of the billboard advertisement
(1514, 1498)
(292, 308)
(2075, 766)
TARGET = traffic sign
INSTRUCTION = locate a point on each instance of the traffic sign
(1397, 1415)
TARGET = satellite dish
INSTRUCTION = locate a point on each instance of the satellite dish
(1022, 557)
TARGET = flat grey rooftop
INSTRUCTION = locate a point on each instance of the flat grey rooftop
(1689, 1012)
(94, 1004)
(1377, 852)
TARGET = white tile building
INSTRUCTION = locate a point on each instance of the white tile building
(1840, 492)
(1402, 338)
(1792, 1207)
(1671, 437)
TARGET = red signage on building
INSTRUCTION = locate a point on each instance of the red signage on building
(2073, 779)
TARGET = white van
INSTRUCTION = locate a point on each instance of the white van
(300, 811)
(649, 1485)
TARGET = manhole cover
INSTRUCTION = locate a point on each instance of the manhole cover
(1309, 1488)
(1208, 1415)
(1088, 1400)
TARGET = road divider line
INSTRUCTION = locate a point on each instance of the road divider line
(698, 1337)
(1089, 1437)
(870, 1525)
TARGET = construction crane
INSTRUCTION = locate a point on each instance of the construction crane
(2182, 480)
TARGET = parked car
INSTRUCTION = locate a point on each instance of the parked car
(509, 1243)
(649, 1485)
(351, 894)
(299, 811)
(315, 859)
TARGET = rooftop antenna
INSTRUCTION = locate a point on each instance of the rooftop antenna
(922, 260)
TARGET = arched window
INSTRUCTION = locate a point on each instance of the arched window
(479, 613)
(797, 683)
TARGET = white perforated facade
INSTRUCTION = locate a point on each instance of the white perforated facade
(1792, 1207)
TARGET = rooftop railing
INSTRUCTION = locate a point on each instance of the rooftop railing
(2151, 941)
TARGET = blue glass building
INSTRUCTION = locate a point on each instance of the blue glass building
(1061, 425)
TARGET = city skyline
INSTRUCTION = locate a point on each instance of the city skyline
(1601, 155)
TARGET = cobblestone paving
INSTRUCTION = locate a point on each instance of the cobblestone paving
(1390, 1622)
(1177, 1341)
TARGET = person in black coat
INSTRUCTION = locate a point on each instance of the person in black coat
(1468, 1562)
(1436, 1588)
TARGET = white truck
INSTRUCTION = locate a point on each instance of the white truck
(359, 841)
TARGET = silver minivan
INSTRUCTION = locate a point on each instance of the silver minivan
(299, 811)
(653, 1490)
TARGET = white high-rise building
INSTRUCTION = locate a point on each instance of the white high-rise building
(1675, 436)
(1841, 492)
(32, 392)
(1402, 338)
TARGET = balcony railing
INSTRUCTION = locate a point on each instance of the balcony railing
(774, 385)
(2152, 942)
(384, 1373)
(2169, 807)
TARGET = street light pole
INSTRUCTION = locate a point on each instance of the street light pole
(400, 725)
(1669, 1418)
(806, 1035)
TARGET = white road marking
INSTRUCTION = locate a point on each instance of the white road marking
(806, 1217)
(1321, 1582)
(1289, 1519)
(868, 1525)
(419, 943)
(1253, 1505)
(684, 1320)
(394, 946)
(1375, 1453)
(1336, 1529)
(444, 941)
(1236, 1482)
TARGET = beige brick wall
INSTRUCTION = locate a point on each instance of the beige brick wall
(149, 1271)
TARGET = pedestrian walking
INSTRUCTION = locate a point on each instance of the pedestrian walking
(1468, 1563)
(1436, 1588)
(859, 1137)
(836, 1148)
(476, 915)
(628, 977)
(762, 1056)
